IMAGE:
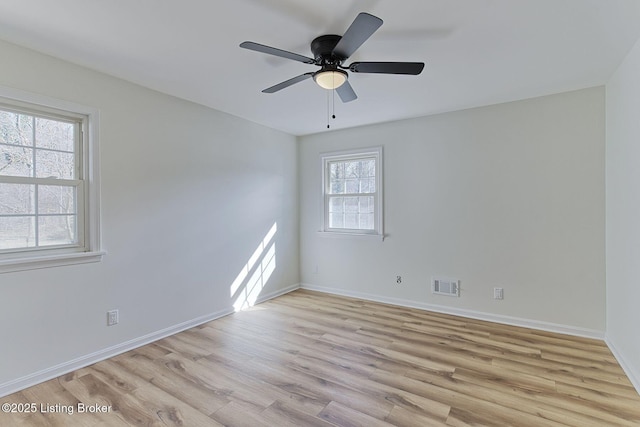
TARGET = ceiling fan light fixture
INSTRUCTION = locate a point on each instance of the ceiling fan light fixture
(330, 79)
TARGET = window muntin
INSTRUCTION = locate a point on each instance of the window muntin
(352, 192)
(41, 180)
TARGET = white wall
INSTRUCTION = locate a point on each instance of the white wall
(510, 195)
(188, 193)
(623, 214)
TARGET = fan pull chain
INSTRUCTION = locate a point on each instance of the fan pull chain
(333, 96)
(328, 125)
(331, 107)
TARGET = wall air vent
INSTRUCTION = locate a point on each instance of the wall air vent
(442, 286)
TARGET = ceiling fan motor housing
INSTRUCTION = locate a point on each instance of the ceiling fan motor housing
(322, 49)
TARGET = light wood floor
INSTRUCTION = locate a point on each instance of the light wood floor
(310, 359)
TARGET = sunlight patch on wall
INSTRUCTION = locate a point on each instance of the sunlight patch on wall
(255, 274)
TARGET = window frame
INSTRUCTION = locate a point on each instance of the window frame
(374, 153)
(86, 182)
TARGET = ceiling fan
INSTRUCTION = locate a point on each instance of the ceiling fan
(331, 51)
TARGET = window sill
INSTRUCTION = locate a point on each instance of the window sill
(47, 261)
(348, 235)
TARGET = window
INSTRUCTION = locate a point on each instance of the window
(48, 184)
(352, 192)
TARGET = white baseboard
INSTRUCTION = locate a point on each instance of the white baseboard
(497, 318)
(632, 373)
(272, 295)
(89, 359)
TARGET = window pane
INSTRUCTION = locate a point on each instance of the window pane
(54, 164)
(351, 204)
(336, 204)
(16, 161)
(336, 170)
(368, 168)
(17, 199)
(54, 134)
(57, 230)
(336, 220)
(353, 186)
(56, 199)
(337, 186)
(352, 177)
(16, 128)
(352, 212)
(366, 204)
(17, 232)
(352, 169)
(358, 212)
(368, 185)
(366, 221)
(351, 221)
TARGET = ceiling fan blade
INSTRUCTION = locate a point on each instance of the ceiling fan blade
(276, 52)
(287, 83)
(412, 68)
(346, 93)
(358, 32)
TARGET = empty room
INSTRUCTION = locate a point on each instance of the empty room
(296, 213)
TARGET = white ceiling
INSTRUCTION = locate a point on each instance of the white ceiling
(478, 52)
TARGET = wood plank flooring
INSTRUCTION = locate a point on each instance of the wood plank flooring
(311, 359)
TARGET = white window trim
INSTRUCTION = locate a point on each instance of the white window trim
(92, 251)
(378, 232)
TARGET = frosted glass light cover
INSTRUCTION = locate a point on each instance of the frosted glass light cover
(330, 79)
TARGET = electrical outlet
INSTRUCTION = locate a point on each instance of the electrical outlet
(113, 317)
(498, 293)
